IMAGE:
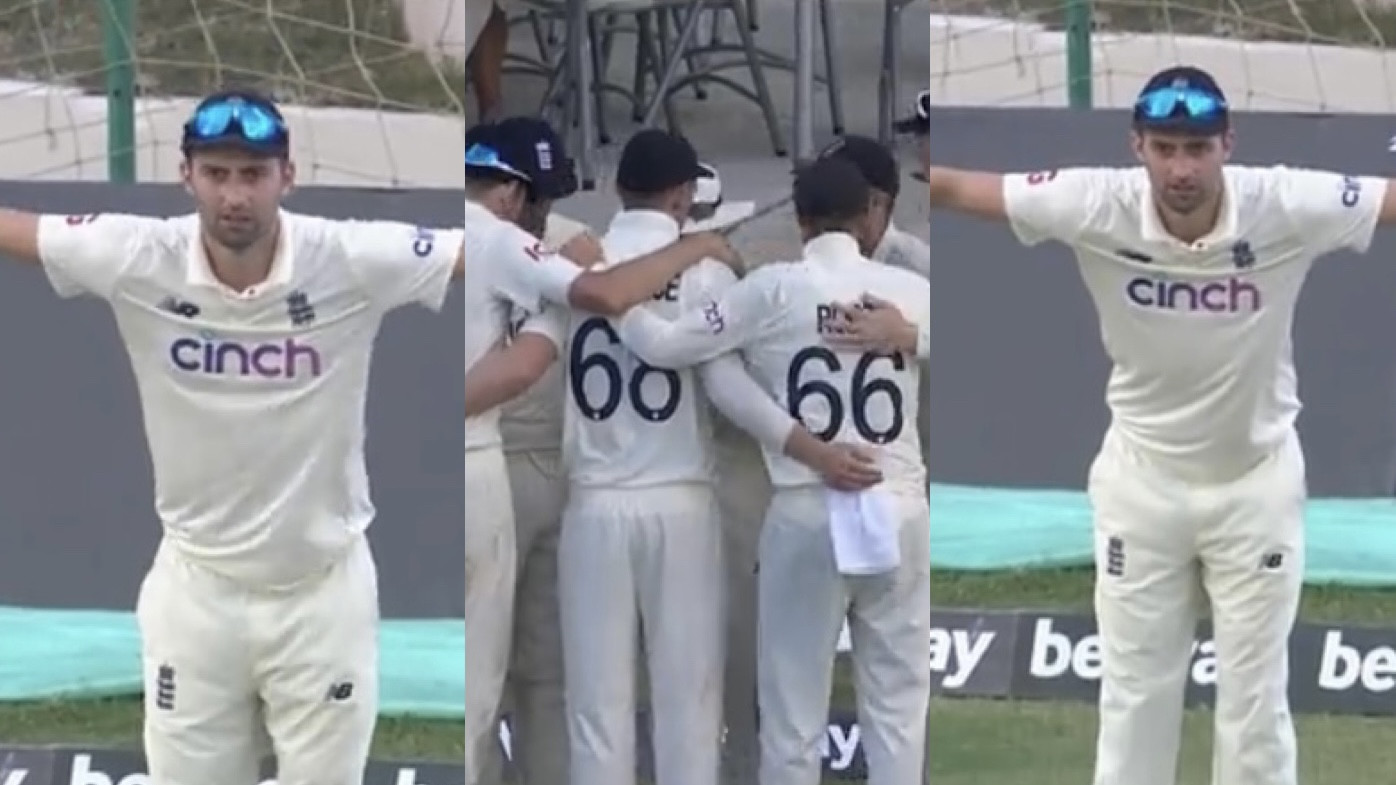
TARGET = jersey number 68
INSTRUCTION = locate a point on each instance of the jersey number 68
(861, 392)
(582, 361)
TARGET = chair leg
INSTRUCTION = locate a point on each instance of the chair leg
(598, 78)
(758, 72)
(644, 63)
(833, 83)
(671, 68)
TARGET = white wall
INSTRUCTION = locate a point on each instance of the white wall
(996, 62)
(53, 133)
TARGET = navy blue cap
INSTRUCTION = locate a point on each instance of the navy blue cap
(830, 188)
(237, 118)
(1183, 99)
(874, 161)
(527, 149)
(655, 160)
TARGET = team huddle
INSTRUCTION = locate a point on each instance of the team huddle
(656, 373)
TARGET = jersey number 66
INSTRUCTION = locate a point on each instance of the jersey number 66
(860, 393)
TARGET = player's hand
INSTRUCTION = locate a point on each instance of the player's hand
(584, 250)
(845, 467)
(716, 246)
(873, 325)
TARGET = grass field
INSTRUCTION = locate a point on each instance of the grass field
(972, 742)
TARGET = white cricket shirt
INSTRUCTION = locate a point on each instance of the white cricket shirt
(903, 250)
(630, 424)
(253, 401)
(507, 269)
(1203, 378)
(533, 421)
(779, 316)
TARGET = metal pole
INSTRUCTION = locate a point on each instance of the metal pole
(803, 122)
(1078, 54)
(118, 32)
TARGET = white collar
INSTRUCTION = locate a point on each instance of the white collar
(659, 225)
(1152, 230)
(833, 247)
(199, 271)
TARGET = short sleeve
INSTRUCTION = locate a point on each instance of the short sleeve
(400, 264)
(526, 272)
(1055, 205)
(1330, 211)
(90, 254)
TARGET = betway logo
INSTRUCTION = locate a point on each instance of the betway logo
(956, 652)
(840, 745)
(1342, 667)
(1054, 655)
(84, 774)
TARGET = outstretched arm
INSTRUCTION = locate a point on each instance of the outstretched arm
(975, 193)
(1056, 204)
(399, 264)
(19, 236)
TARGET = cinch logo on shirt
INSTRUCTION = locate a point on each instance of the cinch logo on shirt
(286, 359)
(1229, 295)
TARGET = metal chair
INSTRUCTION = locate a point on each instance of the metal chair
(667, 44)
(830, 78)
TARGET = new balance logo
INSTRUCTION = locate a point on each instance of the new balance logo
(1272, 561)
(179, 307)
(299, 309)
(1115, 557)
(165, 688)
(342, 691)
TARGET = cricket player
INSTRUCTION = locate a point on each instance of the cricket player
(781, 316)
(249, 331)
(1195, 267)
(531, 426)
(509, 167)
(884, 242)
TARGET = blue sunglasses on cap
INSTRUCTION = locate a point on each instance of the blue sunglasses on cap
(482, 156)
(1164, 103)
(250, 121)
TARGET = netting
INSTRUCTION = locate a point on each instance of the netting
(1293, 55)
(373, 89)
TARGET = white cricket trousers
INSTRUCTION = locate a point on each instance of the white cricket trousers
(490, 567)
(232, 673)
(744, 494)
(642, 561)
(803, 604)
(1161, 542)
(537, 707)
